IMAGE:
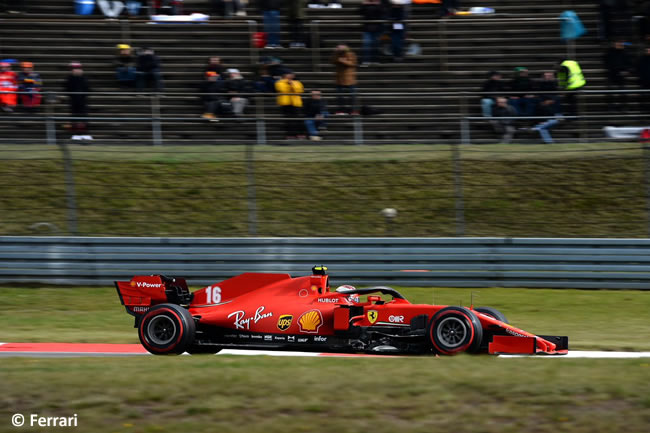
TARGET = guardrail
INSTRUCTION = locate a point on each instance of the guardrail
(446, 262)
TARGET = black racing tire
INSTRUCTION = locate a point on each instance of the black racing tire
(167, 329)
(492, 312)
(199, 350)
(453, 330)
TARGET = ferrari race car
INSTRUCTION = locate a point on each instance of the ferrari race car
(278, 312)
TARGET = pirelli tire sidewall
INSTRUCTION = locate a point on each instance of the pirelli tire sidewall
(459, 319)
(167, 329)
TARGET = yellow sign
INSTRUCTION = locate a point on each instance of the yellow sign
(372, 316)
(310, 321)
(284, 322)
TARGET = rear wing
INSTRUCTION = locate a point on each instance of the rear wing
(143, 292)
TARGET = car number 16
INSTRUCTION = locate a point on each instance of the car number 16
(213, 294)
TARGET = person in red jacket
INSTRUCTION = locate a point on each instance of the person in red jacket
(8, 83)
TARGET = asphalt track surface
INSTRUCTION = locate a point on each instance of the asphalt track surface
(66, 350)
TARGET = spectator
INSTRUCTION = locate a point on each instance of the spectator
(148, 70)
(548, 83)
(296, 16)
(522, 98)
(346, 79)
(215, 65)
(397, 15)
(212, 95)
(237, 88)
(505, 125)
(570, 78)
(643, 72)
(494, 83)
(77, 88)
(31, 84)
(315, 115)
(547, 108)
(125, 66)
(617, 62)
(371, 11)
(290, 102)
(8, 83)
(271, 13)
(228, 8)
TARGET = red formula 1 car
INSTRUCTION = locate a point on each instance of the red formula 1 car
(278, 312)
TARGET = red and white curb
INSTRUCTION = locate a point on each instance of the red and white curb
(59, 350)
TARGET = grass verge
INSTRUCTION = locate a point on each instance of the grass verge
(515, 190)
(263, 394)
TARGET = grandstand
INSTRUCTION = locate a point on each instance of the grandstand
(456, 54)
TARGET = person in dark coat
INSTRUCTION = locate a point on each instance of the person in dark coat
(522, 98)
(618, 63)
(548, 83)
(238, 89)
(494, 83)
(148, 70)
(212, 95)
(316, 113)
(214, 65)
(643, 74)
(125, 71)
(371, 11)
(77, 87)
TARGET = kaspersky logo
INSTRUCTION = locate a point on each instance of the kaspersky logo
(372, 316)
(284, 322)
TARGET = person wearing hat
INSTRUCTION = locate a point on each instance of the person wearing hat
(77, 87)
(237, 87)
(8, 83)
(30, 84)
(125, 66)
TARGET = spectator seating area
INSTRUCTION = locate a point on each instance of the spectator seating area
(456, 55)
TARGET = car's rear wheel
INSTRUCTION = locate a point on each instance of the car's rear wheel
(167, 329)
(492, 312)
(454, 330)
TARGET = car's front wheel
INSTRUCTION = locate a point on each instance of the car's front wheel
(454, 330)
(167, 329)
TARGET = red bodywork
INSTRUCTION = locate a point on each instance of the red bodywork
(280, 312)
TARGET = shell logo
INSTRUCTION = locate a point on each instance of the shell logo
(310, 321)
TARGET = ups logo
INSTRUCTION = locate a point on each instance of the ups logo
(284, 322)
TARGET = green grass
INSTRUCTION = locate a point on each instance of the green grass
(263, 394)
(515, 190)
(596, 319)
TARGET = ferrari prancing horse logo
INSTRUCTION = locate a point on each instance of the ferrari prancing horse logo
(372, 316)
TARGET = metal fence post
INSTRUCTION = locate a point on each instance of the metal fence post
(156, 129)
(646, 156)
(70, 194)
(458, 190)
(50, 126)
(254, 52)
(358, 129)
(442, 38)
(251, 190)
(315, 45)
(260, 123)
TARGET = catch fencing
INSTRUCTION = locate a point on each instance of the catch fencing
(442, 262)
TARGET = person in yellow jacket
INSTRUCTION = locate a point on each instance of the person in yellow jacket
(289, 100)
(571, 79)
